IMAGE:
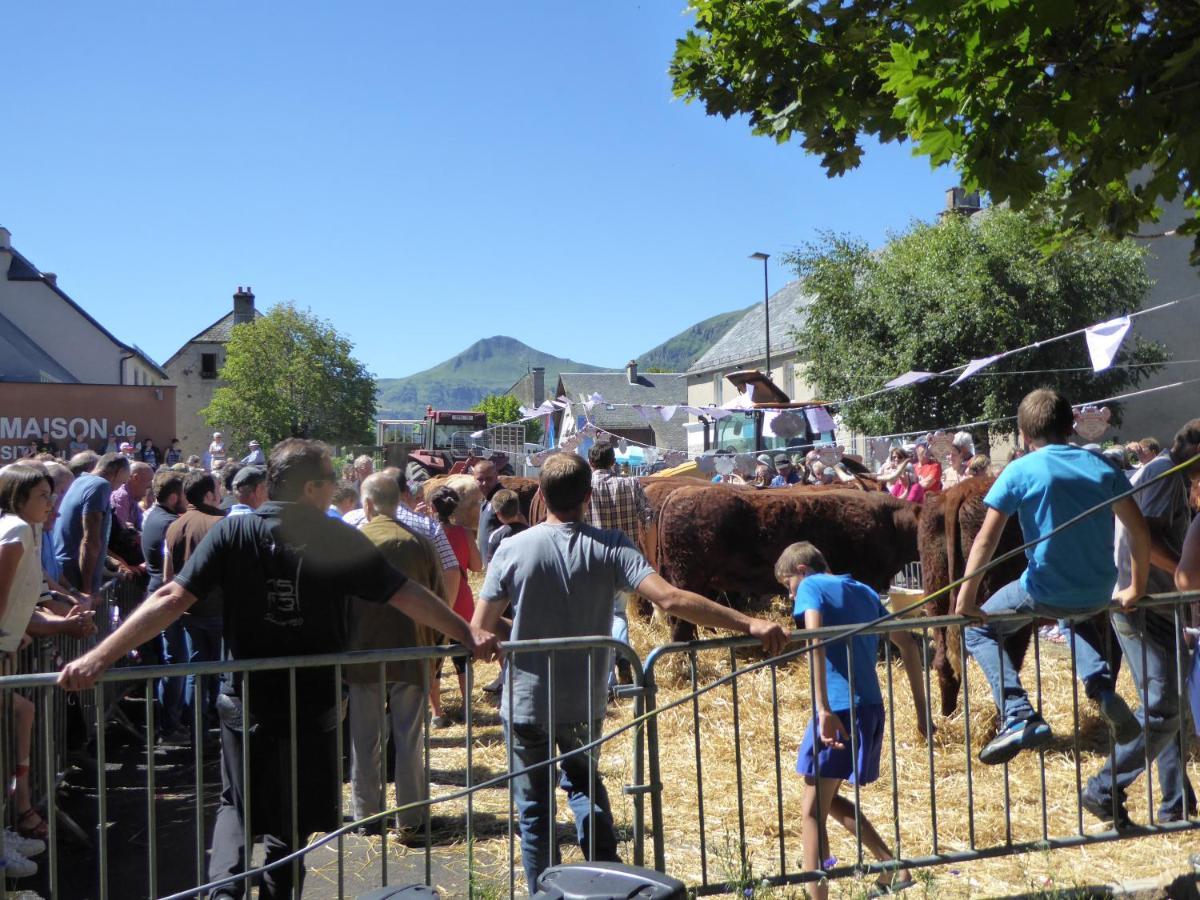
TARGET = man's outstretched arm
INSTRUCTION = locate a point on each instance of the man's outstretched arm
(702, 611)
(158, 611)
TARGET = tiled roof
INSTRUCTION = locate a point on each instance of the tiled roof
(745, 341)
(651, 388)
(216, 333)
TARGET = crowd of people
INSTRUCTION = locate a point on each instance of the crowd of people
(284, 556)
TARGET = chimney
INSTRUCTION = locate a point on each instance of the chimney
(631, 371)
(959, 201)
(539, 385)
(50, 278)
(243, 306)
(5, 238)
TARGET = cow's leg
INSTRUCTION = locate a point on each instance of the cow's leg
(949, 682)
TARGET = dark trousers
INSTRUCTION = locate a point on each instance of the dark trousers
(318, 786)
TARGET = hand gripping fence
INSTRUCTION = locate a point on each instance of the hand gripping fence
(646, 716)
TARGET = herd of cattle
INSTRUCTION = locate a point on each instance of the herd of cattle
(722, 541)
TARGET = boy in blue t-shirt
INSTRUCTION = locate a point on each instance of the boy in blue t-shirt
(845, 694)
(1069, 577)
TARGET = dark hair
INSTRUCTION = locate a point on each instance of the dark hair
(343, 492)
(445, 501)
(166, 482)
(398, 474)
(110, 464)
(295, 462)
(227, 472)
(602, 455)
(1186, 436)
(1045, 415)
(17, 483)
(565, 481)
(197, 486)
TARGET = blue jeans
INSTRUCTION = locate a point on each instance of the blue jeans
(986, 644)
(620, 630)
(174, 694)
(1157, 637)
(205, 634)
(531, 744)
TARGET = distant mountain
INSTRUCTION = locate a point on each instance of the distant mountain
(679, 352)
(489, 366)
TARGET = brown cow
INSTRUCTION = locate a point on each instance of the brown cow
(525, 489)
(950, 520)
(716, 538)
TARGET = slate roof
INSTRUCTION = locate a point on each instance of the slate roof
(21, 359)
(745, 340)
(662, 388)
(216, 333)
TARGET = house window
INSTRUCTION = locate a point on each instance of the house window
(208, 365)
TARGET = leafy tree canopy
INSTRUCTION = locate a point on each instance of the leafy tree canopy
(290, 374)
(1013, 94)
(503, 408)
(941, 294)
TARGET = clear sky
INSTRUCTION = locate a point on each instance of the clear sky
(421, 174)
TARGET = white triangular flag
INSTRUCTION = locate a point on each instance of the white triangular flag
(974, 366)
(1104, 340)
(667, 412)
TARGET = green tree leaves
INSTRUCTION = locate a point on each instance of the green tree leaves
(1015, 95)
(941, 294)
(503, 408)
(290, 374)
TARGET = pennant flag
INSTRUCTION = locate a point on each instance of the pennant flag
(667, 412)
(641, 411)
(974, 366)
(909, 378)
(819, 419)
(1104, 340)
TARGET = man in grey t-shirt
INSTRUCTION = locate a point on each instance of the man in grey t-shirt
(1156, 634)
(561, 577)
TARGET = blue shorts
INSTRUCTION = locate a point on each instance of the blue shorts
(834, 763)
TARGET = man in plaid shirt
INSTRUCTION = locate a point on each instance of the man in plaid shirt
(618, 503)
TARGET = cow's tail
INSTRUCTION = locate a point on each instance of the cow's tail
(954, 564)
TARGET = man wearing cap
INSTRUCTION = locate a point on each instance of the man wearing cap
(249, 490)
(255, 457)
(784, 473)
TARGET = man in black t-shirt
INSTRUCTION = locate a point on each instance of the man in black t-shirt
(287, 573)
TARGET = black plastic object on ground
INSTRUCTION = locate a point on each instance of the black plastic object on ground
(396, 892)
(607, 881)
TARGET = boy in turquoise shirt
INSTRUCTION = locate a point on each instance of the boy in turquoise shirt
(1069, 577)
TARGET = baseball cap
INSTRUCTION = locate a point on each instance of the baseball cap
(125, 445)
(765, 459)
(249, 476)
(783, 460)
(254, 443)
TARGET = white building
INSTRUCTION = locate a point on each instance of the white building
(45, 336)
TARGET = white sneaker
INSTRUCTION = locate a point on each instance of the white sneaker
(17, 866)
(27, 847)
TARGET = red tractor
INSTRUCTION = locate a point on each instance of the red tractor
(445, 442)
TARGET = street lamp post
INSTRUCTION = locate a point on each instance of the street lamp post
(766, 305)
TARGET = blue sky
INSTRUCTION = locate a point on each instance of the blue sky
(422, 175)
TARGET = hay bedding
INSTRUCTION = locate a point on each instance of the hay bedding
(1038, 871)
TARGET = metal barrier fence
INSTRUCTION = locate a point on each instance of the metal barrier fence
(739, 819)
(288, 689)
(713, 819)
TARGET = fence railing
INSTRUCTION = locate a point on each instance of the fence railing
(710, 726)
(290, 689)
(711, 817)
